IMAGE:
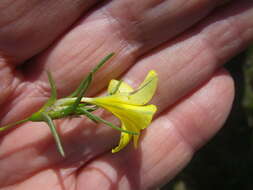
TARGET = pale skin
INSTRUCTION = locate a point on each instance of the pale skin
(186, 42)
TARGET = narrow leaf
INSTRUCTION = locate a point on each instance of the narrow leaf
(94, 117)
(56, 136)
(52, 85)
(86, 81)
(53, 96)
(82, 91)
(102, 62)
(82, 87)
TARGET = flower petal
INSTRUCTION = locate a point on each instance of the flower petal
(141, 96)
(125, 138)
(134, 117)
(146, 90)
(123, 88)
(139, 116)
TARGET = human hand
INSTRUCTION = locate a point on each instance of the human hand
(185, 42)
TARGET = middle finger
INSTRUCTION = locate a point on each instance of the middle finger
(129, 28)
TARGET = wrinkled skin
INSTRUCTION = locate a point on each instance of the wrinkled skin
(185, 41)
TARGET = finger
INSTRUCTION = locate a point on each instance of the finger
(147, 23)
(8, 83)
(168, 144)
(27, 27)
(191, 59)
(117, 28)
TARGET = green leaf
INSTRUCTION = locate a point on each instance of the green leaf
(82, 91)
(102, 62)
(56, 136)
(98, 119)
(83, 87)
(90, 116)
(53, 96)
(86, 81)
(53, 87)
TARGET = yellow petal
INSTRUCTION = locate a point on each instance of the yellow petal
(140, 116)
(123, 88)
(134, 117)
(141, 96)
(136, 138)
(146, 90)
(125, 138)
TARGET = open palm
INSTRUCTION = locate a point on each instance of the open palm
(186, 42)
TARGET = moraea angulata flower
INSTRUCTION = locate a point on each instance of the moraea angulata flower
(130, 106)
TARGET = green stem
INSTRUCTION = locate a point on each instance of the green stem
(13, 124)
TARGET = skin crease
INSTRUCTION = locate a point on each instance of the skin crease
(186, 42)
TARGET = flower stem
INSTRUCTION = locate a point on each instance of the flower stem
(13, 124)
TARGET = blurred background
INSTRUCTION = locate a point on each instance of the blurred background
(226, 162)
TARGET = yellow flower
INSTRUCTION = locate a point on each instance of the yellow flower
(129, 106)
